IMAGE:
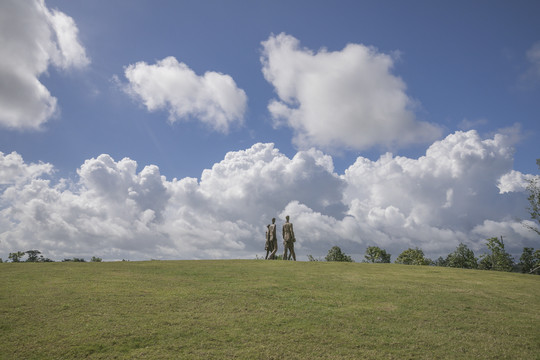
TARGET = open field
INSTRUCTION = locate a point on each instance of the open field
(259, 309)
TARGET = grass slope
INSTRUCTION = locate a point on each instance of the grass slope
(265, 310)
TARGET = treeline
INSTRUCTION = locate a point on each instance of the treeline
(496, 259)
(36, 256)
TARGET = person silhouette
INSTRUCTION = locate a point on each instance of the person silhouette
(288, 240)
(271, 240)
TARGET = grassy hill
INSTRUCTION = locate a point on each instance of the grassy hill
(259, 309)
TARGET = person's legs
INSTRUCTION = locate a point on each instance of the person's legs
(273, 254)
(292, 252)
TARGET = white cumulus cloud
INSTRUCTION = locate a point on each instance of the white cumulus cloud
(514, 181)
(436, 201)
(348, 98)
(212, 98)
(32, 38)
(112, 209)
(13, 169)
(462, 190)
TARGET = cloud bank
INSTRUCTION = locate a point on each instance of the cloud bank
(462, 190)
(212, 98)
(32, 38)
(347, 98)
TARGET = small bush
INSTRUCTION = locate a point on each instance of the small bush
(335, 254)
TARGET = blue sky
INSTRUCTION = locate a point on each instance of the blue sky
(432, 69)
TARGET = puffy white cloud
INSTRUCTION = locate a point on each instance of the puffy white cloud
(227, 211)
(32, 37)
(514, 181)
(69, 51)
(111, 210)
(347, 98)
(269, 180)
(13, 169)
(436, 201)
(212, 98)
(462, 190)
(516, 236)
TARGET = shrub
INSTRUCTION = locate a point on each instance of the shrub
(375, 254)
(335, 254)
(413, 257)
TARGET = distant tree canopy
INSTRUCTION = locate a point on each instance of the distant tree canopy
(375, 254)
(33, 256)
(16, 256)
(335, 254)
(440, 261)
(530, 261)
(462, 257)
(413, 257)
(497, 259)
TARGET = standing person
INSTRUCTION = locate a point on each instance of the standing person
(271, 239)
(288, 239)
(268, 244)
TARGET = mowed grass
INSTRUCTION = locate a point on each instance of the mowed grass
(255, 309)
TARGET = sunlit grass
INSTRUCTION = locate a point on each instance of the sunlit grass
(265, 309)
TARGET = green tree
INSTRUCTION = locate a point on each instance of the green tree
(96, 259)
(440, 262)
(462, 257)
(335, 254)
(536, 269)
(534, 201)
(412, 257)
(33, 255)
(530, 261)
(16, 256)
(498, 259)
(375, 254)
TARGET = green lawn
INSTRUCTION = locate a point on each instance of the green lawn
(256, 309)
